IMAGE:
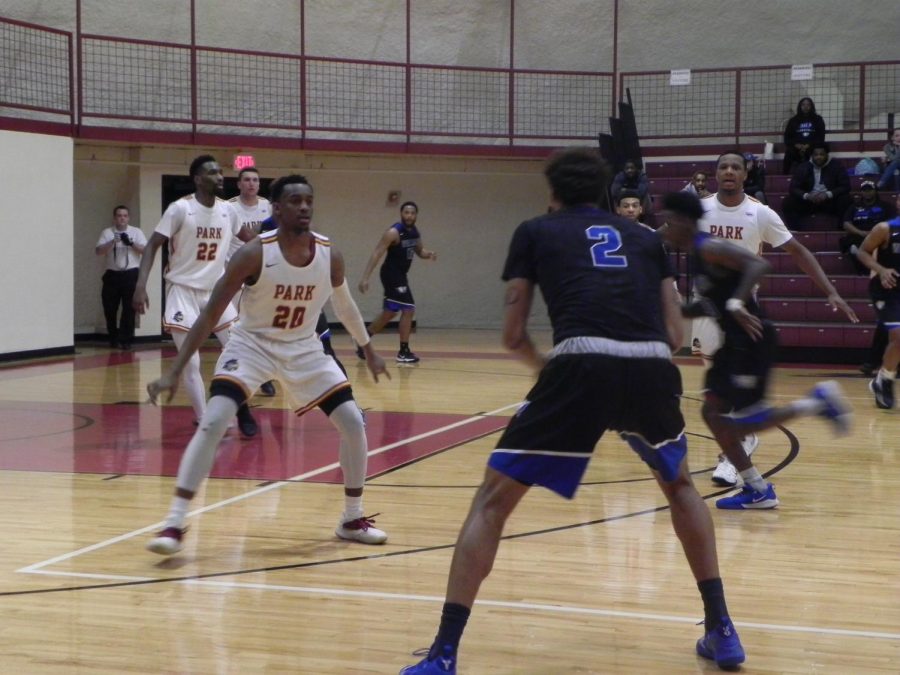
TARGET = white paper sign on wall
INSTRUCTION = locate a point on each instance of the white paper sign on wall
(678, 78)
(803, 72)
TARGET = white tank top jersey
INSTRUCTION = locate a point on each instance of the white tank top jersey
(250, 216)
(285, 302)
(199, 238)
(748, 224)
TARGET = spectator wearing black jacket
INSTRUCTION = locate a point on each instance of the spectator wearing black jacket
(817, 186)
(632, 178)
(802, 131)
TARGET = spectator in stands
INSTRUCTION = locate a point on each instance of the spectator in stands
(891, 163)
(860, 218)
(817, 186)
(697, 185)
(755, 183)
(628, 205)
(631, 177)
(802, 131)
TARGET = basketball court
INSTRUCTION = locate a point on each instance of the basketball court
(596, 585)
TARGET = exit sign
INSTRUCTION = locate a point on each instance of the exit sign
(243, 161)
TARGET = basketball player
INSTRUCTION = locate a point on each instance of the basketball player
(287, 275)
(885, 239)
(731, 214)
(198, 230)
(252, 210)
(398, 244)
(616, 318)
(734, 404)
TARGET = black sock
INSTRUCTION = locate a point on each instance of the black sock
(714, 608)
(453, 622)
(404, 346)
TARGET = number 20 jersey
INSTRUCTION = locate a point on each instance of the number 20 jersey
(600, 275)
(285, 302)
(199, 238)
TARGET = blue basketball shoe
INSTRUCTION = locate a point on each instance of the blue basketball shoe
(748, 498)
(439, 665)
(835, 407)
(722, 645)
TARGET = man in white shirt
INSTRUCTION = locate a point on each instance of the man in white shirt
(198, 230)
(732, 215)
(122, 244)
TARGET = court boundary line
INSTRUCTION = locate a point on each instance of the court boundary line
(502, 604)
(257, 491)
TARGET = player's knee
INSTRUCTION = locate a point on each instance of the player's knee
(228, 389)
(337, 399)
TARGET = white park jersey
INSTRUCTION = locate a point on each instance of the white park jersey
(748, 224)
(250, 216)
(285, 302)
(199, 238)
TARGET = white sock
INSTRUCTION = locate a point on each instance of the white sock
(753, 478)
(353, 508)
(886, 375)
(807, 406)
(177, 512)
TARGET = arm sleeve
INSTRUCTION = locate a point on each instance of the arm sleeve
(348, 314)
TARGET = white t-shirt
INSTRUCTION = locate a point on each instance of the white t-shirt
(199, 238)
(748, 224)
(121, 257)
(250, 216)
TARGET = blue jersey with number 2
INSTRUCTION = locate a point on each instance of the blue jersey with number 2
(600, 275)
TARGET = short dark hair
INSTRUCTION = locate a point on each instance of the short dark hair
(733, 151)
(412, 204)
(820, 144)
(683, 203)
(247, 169)
(577, 176)
(627, 194)
(120, 206)
(278, 185)
(198, 162)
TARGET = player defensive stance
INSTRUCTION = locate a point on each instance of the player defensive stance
(288, 275)
(735, 405)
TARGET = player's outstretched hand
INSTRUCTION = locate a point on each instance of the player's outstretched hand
(166, 383)
(376, 366)
(888, 277)
(751, 324)
(838, 303)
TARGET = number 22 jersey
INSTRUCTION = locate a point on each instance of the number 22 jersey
(199, 238)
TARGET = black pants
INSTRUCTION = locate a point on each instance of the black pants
(795, 209)
(118, 288)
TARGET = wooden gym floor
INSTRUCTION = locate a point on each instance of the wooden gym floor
(596, 585)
